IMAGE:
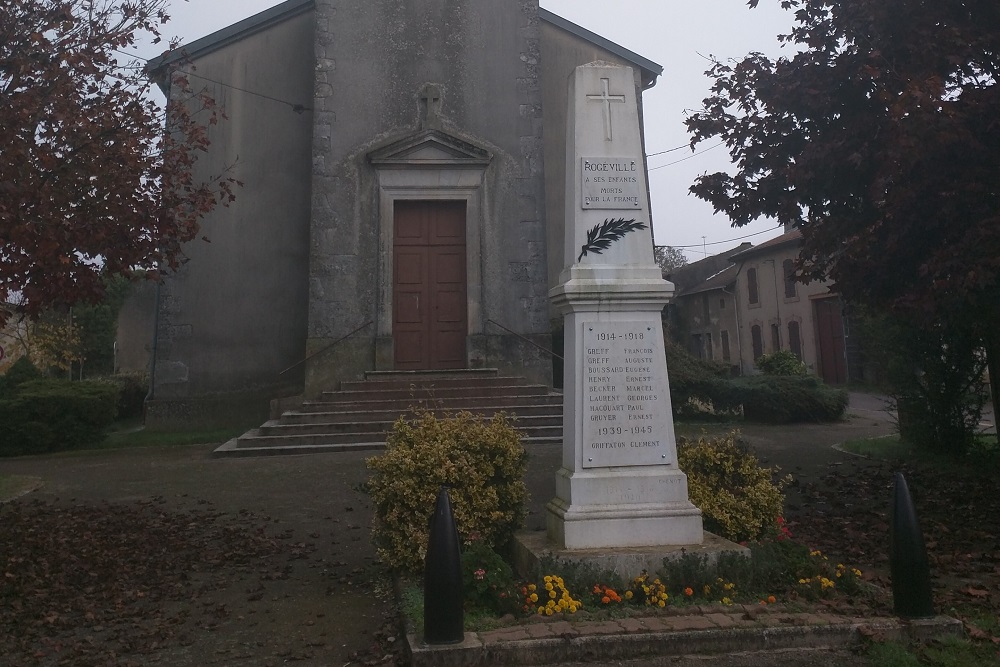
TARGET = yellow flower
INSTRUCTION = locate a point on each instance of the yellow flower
(548, 611)
(533, 597)
(547, 579)
(628, 595)
(661, 603)
(549, 586)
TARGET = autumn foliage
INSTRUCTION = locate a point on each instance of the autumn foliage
(877, 136)
(95, 177)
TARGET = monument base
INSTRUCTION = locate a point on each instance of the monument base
(622, 507)
(531, 547)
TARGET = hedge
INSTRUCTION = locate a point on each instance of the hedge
(44, 416)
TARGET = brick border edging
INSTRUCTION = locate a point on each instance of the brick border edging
(550, 643)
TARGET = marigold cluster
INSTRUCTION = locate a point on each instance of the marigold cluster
(653, 593)
(558, 597)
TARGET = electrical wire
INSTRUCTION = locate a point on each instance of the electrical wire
(296, 107)
(686, 158)
(738, 238)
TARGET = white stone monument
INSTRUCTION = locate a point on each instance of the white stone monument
(619, 485)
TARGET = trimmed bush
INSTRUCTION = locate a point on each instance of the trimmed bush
(781, 362)
(482, 462)
(697, 385)
(776, 399)
(44, 416)
(20, 371)
(738, 498)
(132, 390)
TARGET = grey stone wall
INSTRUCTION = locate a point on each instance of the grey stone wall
(234, 315)
(373, 59)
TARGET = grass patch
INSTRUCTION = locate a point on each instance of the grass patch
(131, 433)
(12, 486)
(888, 447)
(984, 455)
(951, 652)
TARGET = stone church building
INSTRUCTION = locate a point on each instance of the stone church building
(404, 170)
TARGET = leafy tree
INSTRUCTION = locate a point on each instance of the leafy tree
(878, 138)
(668, 258)
(91, 182)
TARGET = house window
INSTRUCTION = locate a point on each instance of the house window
(709, 352)
(758, 341)
(752, 295)
(790, 286)
(794, 341)
(705, 312)
(722, 304)
(775, 338)
(696, 346)
(725, 346)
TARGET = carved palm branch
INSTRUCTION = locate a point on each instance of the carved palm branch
(603, 235)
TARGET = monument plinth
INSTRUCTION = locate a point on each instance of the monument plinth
(619, 484)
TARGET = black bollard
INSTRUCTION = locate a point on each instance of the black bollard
(444, 616)
(911, 572)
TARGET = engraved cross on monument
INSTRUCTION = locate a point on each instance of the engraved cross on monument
(607, 98)
(619, 484)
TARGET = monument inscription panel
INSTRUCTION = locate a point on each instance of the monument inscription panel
(626, 420)
(610, 183)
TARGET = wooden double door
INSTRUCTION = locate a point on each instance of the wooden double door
(429, 297)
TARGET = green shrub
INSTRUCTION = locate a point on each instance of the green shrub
(488, 580)
(779, 399)
(132, 390)
(20, 371)
(51, 415)
(738, 498)
(781, 362)
(697, 385)
(482, 462)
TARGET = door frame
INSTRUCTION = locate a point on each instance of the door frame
(396, 185)
(429, 165)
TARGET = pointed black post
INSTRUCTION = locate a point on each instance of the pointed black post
(444, 619)
(911, 572)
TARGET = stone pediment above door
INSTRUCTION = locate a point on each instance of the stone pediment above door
(430, 148)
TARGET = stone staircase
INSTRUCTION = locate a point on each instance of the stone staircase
(358, 415)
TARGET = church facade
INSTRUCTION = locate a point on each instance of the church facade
(404, 169)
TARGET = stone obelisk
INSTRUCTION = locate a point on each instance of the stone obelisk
(619, 484)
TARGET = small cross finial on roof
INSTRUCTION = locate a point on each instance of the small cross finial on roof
(430, 106)
(607, 98)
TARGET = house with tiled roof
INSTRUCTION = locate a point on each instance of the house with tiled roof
(754, 306)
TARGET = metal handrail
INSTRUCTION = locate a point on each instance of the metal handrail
(526, 340)
(334, 343)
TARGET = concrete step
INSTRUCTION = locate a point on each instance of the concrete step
(443, 382)
(359, 415)
(282, 427)
(432, 392)
(453, 404)
(523, 413)
(346, 441)
(423, 376)
(231, 448)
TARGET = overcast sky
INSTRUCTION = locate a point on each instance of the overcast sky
(676, 34)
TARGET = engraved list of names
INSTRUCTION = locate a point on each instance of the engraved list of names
(626, 420)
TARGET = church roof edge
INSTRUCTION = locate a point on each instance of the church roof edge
(645, 63)
(233, 33)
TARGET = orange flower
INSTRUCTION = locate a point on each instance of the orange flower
(688, 592)
(771, 599)
(605, 599)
